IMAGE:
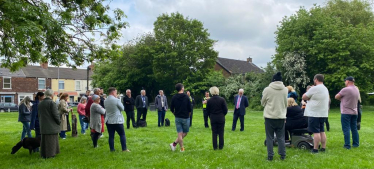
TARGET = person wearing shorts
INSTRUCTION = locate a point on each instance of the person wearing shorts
(317, 111)
(181, 108)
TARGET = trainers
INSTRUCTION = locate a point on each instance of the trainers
(182, 149)
(172, 147)
(270, 158)
(283, 157)
(102, 136)
(127, 150)
(322, 150)
(314, 151)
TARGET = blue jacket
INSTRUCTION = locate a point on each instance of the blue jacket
(34, 115)
(24, 113)
(243, 104)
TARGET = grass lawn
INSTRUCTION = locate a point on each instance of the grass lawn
(150, 147)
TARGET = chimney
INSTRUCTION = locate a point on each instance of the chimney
(249, 60)
(44, 65)
(92, 66)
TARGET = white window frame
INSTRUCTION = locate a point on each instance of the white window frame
(63, 82)
(45, 83)
(10, 82)
(80, 85)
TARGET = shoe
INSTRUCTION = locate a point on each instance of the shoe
(182, 149)
(102, 136)
(314, 151)
(358, 125)
(242, 130)
(283, 157)
(172, 147)
(270, 158)
(232, 129)
(206, 126)
(127, 150)
(322, 150)
(64, 138)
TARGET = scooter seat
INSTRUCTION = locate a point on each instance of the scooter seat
(300, 131)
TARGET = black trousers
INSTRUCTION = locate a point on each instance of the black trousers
(206, 117)
(141, 112)
(235, 120)
(218, 131)
(130, 115)
(276, 126)
(95, 136)
(191, 117)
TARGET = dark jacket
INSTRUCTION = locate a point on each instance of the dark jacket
(158, 103)
(34, 115)
(181, 106)
(295, 118)
(192, 101)
(88, 107)
(49, 117)
(128, 103)
(24, 113)
(216, 108)
(139, 102)
(243, 104)
(102, 99)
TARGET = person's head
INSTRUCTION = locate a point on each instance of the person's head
(64, 96)
(161, 92)
(290, 89)
(241, 92)
(104, 96)
(96, 99)
(101, 90)
(49, 93)
(83, 100)
(26, 100)
(128, 93)
(142, 92)
(308, 87)
(39, 96)
(179, 87)
(97, 91)
(188, 93)
(88, 92)
(206, 94)
(277, 77)
(318, 79)
(291, 102)
(214, 91)
(112, 91)
(349, 81)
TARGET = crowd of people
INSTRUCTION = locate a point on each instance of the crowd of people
(282, 114)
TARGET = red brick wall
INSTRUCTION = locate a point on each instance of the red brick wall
(225, 73)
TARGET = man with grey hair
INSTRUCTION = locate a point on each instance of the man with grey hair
(129, 103)
(141, 104)
(240, 102)
(161, 104)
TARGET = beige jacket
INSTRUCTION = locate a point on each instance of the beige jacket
(274, 99)
(63, 110)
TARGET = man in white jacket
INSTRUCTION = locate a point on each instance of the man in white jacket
(274, 99)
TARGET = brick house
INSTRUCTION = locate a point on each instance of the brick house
(231, 67)
(16, 85)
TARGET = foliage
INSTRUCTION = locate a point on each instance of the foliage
(61, 32)
(295, 74)
(232, 86)
(335, 40)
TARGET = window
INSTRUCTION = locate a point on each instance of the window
(7, 83)
(41, 83)
(61, 85)
(77, 85)
(71, 99)
(7, 98)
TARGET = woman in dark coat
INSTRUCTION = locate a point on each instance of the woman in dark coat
(217, 109)
(34, 125)
(24, 116)
(295, 117)
(49, 121)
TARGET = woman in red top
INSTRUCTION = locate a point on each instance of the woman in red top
(82, 113)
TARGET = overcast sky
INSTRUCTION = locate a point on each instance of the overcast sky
(243, 28)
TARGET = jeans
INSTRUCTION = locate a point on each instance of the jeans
(63, 134)
(349, 124)
(275, 126)
(130, 116)
(95, 136)
(161, 117)
(84, 125)
(26, 130)
(182, 125)
(112, 128)
(205, 118)
(235, 120)
(218, 131)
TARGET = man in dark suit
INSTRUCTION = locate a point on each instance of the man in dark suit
(129, 103)
(141, 104)
(240, 102)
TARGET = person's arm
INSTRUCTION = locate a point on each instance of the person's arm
(156, 102)
(208, 109)
(25, 110)
(119, 105)
(340, 94)
(246, 103)
(172, 109)
(80, 109)
(189, 108)
(264, 98)
(100, 109)
(224, 107)
(55, 113)
(166, 104)
(137, 102)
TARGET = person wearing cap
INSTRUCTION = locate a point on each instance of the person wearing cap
(274, 100)
(349, 97)
(317, 111)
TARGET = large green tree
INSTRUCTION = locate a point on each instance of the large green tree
(336, 40)
(183, 50)
(61, 32)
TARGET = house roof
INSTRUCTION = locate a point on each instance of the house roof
(8, 73)
(52, 72)
(238, 66)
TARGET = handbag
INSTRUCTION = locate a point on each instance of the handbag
(85, 119)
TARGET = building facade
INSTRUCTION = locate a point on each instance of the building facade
(230, 67)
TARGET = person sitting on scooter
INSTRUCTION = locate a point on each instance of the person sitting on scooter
(295, 118)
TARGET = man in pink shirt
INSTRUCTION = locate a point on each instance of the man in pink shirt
(349, 97)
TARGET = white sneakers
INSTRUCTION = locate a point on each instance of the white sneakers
(172, 147)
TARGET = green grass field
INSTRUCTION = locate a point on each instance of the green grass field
(150, 147)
